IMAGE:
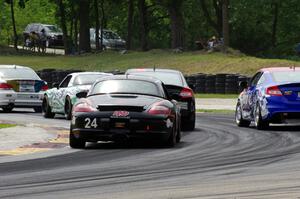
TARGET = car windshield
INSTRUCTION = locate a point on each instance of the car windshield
(53, 29)
(18, 73)
(286, 76)
(165, 77)
(87, 79)
(126, 86)
(110, 35)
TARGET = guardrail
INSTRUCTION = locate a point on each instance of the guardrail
(204, 83)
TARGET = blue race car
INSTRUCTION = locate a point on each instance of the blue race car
(272, 96)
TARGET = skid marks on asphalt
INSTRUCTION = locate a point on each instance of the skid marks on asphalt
(61, 141)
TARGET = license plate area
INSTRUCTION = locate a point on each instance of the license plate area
(119, 123)
(26, 86)
(27, 96)
(183, 105)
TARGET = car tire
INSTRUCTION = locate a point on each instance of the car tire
(7, 109)
(260, 124)
(178, 135)
(76, 143)
(46, 108)
(171, 142)
(38, 109)
(68, 108)
(190, 124)
(239, 117)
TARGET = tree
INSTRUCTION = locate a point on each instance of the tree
(129, 24)
(216, 21)
(63, 22)
(143, 25)
(174, 8)
(84, 30)
(97, 25)
(225, 23)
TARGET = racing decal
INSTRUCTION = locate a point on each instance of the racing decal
(90, 123)
(120, 114)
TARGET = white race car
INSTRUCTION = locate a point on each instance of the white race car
(61, 98)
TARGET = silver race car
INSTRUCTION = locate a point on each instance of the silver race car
(60, 99)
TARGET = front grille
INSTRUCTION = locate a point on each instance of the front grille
(123, 108)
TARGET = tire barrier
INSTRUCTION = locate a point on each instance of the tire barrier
(220, 83)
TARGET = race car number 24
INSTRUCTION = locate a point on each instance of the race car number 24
(90, 123)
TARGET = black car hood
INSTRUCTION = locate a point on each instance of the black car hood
(123, 100)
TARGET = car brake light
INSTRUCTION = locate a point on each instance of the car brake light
(273, 91)
(158, 109)
(45, 87)
(5, 86)
(83, 107)
(186, 93)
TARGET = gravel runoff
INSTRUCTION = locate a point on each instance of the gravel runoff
(19, 136)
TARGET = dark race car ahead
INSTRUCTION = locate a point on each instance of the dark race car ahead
(122, 107)
(273, 96)
(175, 84)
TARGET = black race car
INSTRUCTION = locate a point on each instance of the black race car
(176, 84)
(123, 106)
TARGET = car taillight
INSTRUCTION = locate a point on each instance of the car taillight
(158, 109)
(5, 86)
(273, 91)
(186, 93)
(83, 107)
(45, 87)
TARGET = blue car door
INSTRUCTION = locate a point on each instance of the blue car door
(251, 95)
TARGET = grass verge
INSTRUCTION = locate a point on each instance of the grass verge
(187, 62)
(2, 126)
(223, 111)
(220, 96)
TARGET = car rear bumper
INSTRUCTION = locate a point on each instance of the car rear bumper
(281, 110)
(109, 128)
(17, 99)
(115, 134)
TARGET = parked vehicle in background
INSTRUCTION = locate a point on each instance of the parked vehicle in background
(61, 98)
(21, 87)
(175, 83)
(111, 40)
(273, 96)
(53, 33)
(122, 107)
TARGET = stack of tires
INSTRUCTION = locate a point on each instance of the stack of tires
(220, 83)
(243, 79)
(45, 75)
(200, 83)
(191, 80)
(231, 84)
(210, 84)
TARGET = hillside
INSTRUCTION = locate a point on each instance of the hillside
(187, 62)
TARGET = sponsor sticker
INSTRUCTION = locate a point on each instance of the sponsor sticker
(120, 114)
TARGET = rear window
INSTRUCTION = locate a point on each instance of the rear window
(18, 73)
(165, 77)
(286, 76)
(126, 86)
(87, 79)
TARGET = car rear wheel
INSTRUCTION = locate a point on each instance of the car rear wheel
(260, 124)
(189, 125)
(239, 117)
(46, 109)
(172, 139)
(76, 143)
(68, 109)
(178, 135)
(7, 109)
(37, 109)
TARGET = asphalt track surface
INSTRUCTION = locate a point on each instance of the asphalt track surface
(217, 160)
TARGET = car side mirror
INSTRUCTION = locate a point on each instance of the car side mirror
(243, 85)
(55, 85)
(82, 94)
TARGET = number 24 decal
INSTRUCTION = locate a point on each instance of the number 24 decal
(90, 123)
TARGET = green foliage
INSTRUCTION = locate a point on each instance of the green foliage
(251, 22)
